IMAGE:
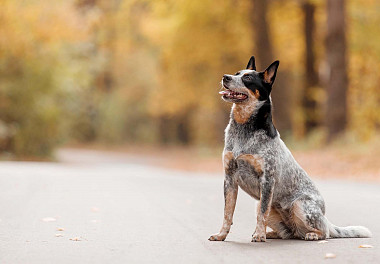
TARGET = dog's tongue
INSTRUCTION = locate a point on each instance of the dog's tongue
(224, 92)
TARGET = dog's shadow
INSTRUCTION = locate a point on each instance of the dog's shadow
(270, 243)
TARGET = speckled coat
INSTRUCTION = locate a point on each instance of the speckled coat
(257, 160)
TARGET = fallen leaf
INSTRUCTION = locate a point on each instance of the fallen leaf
(94, 209)
(58, 235)
(75, 239)
(323, 241)
(48, 219)
(60, 229)
(365, 246)
(330, 256)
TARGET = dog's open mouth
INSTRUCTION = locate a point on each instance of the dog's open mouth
(228, 94)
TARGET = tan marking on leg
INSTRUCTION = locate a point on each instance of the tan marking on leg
(301, 225)
(272, 235)
(260, 232)
(255, 160)
(298, 215)
(229, 208)
(227, 157)
(273, 219)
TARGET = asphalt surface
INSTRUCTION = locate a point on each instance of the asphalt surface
(115, 209)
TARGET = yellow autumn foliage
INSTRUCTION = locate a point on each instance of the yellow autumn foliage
(149, 71)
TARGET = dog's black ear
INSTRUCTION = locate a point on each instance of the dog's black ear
(251, 64)
(270, 73)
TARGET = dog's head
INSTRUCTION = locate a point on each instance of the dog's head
(249, 86)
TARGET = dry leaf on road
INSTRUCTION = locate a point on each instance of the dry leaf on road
(365, 246)
(60, 229)
(48, 219)
(330, 256)
(94, 209)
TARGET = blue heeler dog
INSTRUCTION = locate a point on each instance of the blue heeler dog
(256, 159)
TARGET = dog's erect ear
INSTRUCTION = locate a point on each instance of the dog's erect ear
(270, 73)
(251, 64)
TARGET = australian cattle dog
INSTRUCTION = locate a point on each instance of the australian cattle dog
(256, 159)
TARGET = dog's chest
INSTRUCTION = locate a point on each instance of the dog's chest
(248, 177)
(241, 147)
(242, 142)
(249, 182)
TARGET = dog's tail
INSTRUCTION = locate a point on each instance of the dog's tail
(348, 231)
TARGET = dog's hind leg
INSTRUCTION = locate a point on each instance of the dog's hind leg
(277, 224)
(309, 220)
(272, 235)
(230, 195)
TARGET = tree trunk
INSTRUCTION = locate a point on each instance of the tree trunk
(336, 109)
(264, 57)
(309, 103)
(263, 45)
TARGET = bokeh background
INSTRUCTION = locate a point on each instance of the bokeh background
(143, 76)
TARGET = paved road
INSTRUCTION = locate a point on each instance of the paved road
(123, 212)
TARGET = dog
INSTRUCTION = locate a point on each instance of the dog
(257, 160)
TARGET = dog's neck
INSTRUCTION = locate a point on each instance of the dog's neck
(242, 112)
(254, 117)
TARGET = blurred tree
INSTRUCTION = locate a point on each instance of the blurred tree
(42, 65)
(337, 83)
(263, 49)
(364, 52)
(261, 27)
(147, 71)
(201, 42)
(309, 102)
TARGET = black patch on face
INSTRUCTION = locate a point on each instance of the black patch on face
(254, 81)
(263, 119)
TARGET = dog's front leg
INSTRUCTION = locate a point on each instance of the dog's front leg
(230, 195)
(263, 208)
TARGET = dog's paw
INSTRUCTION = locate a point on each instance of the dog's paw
(217, 237)
(311, 236)
(258, 237)
(272, 235)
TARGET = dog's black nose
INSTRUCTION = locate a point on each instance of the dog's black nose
(227, 78)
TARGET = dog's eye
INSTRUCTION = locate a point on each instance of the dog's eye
(248, 77)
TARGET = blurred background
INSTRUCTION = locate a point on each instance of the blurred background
(142, 77)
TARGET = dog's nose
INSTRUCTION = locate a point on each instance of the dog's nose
(227, 78)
